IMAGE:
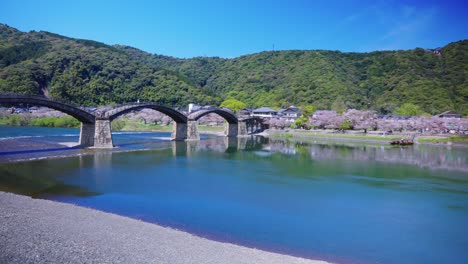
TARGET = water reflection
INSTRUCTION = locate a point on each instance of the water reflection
(218, 144)
(430, 157)
(291, 159)
(318, 200)
(427, 157)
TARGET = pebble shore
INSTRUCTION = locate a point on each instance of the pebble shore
(42, 231)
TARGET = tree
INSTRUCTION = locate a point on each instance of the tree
(308, 110)
(302, 122)
(409, 109)
(345, 125)
(339, 105)
(279, 123)
(361, 119)
(326, 119)
(233, 104)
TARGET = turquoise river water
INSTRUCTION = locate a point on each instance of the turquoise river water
(321, 200)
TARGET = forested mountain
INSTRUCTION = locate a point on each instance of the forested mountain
(86, 72)
(89, 72)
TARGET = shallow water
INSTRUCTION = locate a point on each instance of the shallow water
(348, 204)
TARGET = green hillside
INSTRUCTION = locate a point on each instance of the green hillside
(89, 72)
(86, 72)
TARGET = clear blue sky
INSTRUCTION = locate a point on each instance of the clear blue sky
(233, 28)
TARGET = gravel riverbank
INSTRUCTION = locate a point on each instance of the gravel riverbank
(42, 231)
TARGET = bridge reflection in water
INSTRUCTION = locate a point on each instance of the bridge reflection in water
(226, 144)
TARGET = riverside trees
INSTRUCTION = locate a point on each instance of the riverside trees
(369, 120)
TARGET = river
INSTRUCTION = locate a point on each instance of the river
(323, 200)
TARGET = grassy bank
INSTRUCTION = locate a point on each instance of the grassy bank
(324, 135)
(136, 125)
(212, 129)
(380, 139)
(451, 139)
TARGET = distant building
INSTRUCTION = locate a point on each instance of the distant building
(291, 112)
(264, 112)
(449, 114)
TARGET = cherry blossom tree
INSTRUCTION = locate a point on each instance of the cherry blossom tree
(325, 119)
(361, 119)
(279, 123)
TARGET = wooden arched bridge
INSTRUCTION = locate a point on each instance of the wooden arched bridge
(96, 131)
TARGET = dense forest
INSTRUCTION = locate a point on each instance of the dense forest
(91, 73)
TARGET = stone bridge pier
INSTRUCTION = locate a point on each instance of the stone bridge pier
(242, 128)
(250, 126)
(192, 130)
(179, 131)
(231, 130)
(103, 133)
(87, 135)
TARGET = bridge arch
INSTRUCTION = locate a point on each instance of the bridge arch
(103, 135)
(86, 118)
(82, 115)
(230, 129)
(177, 116)
(230, 117)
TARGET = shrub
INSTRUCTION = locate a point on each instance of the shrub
(301, 122)
(346, 125)
(409, 109)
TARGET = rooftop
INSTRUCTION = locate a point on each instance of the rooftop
(263, 110)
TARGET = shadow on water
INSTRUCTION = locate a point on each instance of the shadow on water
(41, 178)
